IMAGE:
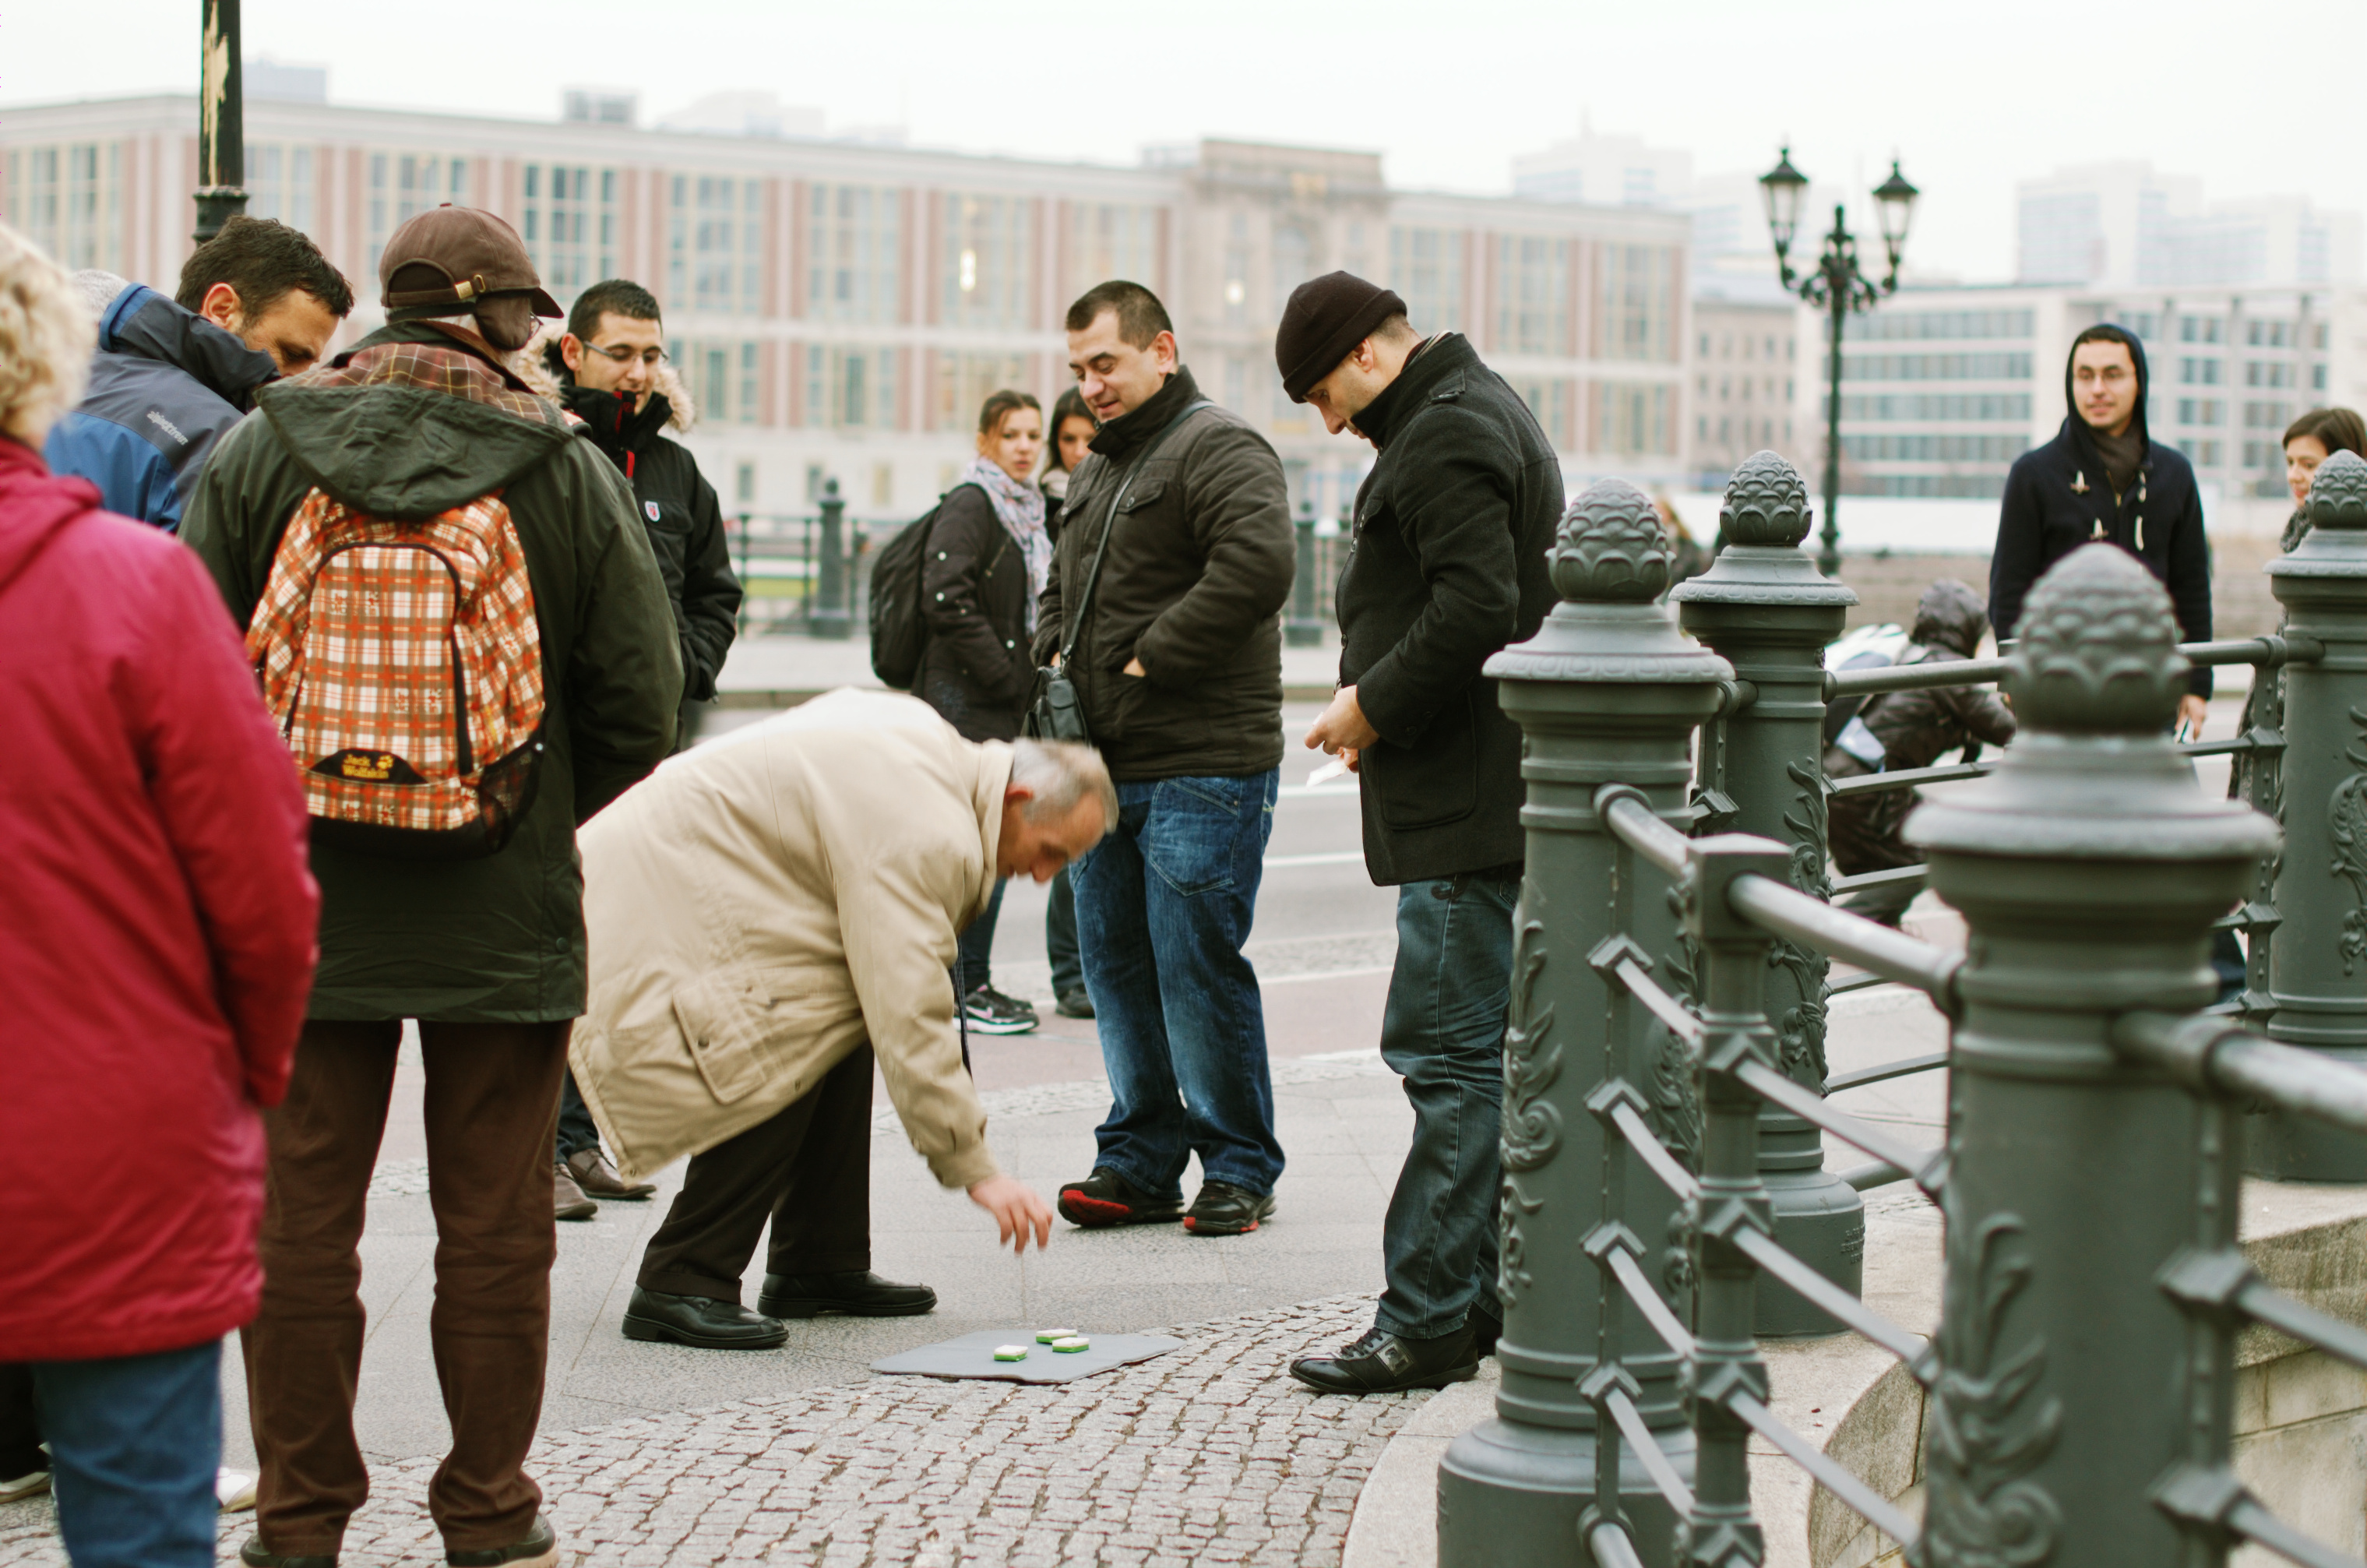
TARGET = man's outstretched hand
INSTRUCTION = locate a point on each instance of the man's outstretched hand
(1017, 1211)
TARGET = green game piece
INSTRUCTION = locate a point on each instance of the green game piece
(1049, 1336)
(1073, 1344)
(1010, 1352)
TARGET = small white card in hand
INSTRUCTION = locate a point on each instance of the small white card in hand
(1330, 770)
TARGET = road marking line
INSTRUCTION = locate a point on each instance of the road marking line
(1330, 857)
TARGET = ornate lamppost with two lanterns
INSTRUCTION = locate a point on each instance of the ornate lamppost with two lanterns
(1838, 286)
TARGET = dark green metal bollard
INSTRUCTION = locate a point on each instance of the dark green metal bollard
(2090, 867)
(1607, 692)
(1770, 613)
(1302, 629)
(826, 588)
(2317, 978)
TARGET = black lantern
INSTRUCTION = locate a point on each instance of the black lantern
(1782, 188)
(1896, 199)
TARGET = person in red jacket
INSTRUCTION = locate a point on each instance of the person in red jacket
(156, 938)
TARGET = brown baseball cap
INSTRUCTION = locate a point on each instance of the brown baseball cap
(478, 255)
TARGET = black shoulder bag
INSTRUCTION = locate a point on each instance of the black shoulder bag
(1056, 714)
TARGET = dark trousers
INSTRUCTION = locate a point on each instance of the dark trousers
(137, 1440)
(1061, 937)
(576, 1128)
(20, 1425)
(1443, 1030)
(974, 954)
(807, 1170)
(491, 1100)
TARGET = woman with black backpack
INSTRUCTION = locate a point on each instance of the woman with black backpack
(983, 567)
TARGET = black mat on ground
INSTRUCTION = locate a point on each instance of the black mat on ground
(972, 1355)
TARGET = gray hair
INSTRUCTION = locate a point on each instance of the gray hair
(98, 288)
(1061, 773)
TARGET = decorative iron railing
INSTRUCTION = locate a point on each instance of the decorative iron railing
(1664, 1079)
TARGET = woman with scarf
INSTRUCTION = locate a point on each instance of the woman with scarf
(1072, 431)
(984, 564)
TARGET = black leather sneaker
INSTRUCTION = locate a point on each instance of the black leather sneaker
(1107, 1198)
(700, 1322)
(539, 1549)
(1382, 1362)
(1224, 1209)
(1075, 1003)
(858, 1293)
(1486, 1329)
(992, 1012)
(255, 1555)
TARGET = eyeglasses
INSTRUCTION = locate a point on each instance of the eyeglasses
(625, 354)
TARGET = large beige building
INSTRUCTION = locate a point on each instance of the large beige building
(840, 310)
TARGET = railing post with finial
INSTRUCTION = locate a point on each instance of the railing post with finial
(1607, 692)
(2317, 974)
(1764, 607)
(2090, 867)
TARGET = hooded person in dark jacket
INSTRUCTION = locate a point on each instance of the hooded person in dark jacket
(419, 419)
(171, 377)
(2103, 477)
(626, 404)
(1446, 565)
(1909, 728)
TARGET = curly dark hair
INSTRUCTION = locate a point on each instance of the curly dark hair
(265, 261)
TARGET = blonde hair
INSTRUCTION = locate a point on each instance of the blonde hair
(46, 337)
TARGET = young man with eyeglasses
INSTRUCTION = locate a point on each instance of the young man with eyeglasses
(609, 369)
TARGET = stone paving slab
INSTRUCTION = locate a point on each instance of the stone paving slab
(1209, 1454)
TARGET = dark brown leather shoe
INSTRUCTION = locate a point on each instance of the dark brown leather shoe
(539, 1549)
(598, 1178)
(569, 1201)
(1382, 1362)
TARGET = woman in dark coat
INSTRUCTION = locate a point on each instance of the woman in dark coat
(985, 561)
(1071, 437)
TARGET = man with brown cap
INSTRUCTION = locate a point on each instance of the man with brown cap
(1446, 564)
(416, 432)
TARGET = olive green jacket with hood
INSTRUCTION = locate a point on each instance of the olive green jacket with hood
(498, 939)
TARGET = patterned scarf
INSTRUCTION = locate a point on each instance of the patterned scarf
(1021, 509)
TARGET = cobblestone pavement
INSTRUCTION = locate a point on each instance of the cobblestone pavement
(1209, 1454)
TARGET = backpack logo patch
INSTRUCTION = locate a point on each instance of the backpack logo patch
(403, 662)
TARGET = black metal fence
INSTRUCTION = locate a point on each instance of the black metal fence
(2080, 1388)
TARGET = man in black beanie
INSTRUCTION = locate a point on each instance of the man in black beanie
(1446, 565)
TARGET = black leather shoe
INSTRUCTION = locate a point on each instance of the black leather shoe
(1486, 1329)
(254, 1556)
(1224, 1209)
(858, 1293)
(1382, 1362)
(699, 1321)
(1075, 1003)
(539, 1549)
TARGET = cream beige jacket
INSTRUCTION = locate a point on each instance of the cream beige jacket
(760, 906)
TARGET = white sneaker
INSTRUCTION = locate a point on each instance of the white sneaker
(31, 1485)
(236, 1490)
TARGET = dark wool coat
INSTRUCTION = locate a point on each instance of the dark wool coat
(498, 939)
(1199, 569)
(1446, 565)
(976, 670)
(155, 934)
(2057, 499)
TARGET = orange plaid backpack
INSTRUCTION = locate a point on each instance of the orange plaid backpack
(404, 665)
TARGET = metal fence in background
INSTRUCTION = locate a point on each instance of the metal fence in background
(1663, 1046)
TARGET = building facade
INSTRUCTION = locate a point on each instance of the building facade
(840, 311)
(1746, 382)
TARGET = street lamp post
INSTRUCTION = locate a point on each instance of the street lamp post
(1840, 288)
(222, 121)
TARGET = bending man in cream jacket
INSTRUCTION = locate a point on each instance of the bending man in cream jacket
(767, 914)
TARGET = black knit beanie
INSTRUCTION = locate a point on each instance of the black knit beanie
(1327, 317)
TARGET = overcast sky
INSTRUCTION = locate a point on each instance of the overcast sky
(2254, 99)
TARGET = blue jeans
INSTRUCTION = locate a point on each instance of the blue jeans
(1163, 906)
(1444, 1032)
(134, 1442)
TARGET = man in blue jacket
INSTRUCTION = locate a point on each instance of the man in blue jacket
(256, 302)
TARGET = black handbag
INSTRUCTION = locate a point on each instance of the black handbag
(1056, 714)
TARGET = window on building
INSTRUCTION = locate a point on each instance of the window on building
(2266, 416)
(569, 224)
(1532, 294)
(1635, 418)
(69, 201)
(849, 388)
(853, 248)
(2202, 329)
(2270, 374)
(722, 376)
(716, 244)
(1895, 324)
(1426, 272)
(1293, 262)
(1638, 301)
(1982, 367)
(2269, 334)
(1113, 239)
(989, 260)
(1550, 402)
(965, 381)
(404, 185)
(2199, 372)
(2201, 411)
(280, 184)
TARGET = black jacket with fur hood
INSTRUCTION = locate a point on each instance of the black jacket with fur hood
(677, 505)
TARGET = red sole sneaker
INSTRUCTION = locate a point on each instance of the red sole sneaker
(1194, 1227)
(1096, 1213)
